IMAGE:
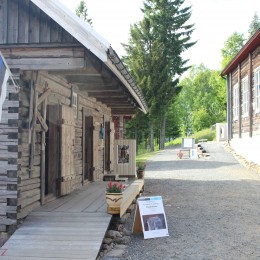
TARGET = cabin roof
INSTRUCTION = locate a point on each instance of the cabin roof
(94, 42)
(250, 46)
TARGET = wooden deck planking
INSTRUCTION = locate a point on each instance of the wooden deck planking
(67, 228)
(72, 227)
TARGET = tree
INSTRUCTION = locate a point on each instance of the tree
(82, 12)
(202, 100)
(254, 25)
(232, 46)
(154, 55)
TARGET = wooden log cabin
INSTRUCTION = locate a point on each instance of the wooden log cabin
(56, 131)
(243, 100)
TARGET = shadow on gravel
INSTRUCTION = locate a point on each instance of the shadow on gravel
(185, 164)
(206, 220)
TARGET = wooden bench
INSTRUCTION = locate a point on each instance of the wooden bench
(202, 140)
(129, 195)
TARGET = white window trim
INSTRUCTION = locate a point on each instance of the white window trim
(257, 108)
(245, 114)
(235, 102)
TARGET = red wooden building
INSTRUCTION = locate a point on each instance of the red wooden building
(243, 96)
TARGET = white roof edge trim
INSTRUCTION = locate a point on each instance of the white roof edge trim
(123, 80)
(74, 25)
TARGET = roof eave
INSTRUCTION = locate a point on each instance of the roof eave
(247, 48)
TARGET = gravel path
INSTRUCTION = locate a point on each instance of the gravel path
(212, 207)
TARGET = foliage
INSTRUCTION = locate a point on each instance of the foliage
(116, 187)
(202, 100)
(209, 134)
(231, 47)
(141, 166)
(154, 56)
(254, 25)
(82, 11)
(200, 119)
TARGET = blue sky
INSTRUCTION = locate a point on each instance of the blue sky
(214, 22)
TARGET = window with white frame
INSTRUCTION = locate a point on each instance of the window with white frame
(245, 96)
(257, 89)
(235, 102)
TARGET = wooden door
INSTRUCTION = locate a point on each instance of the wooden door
(67, 128)
(52, 151)
(88, 129)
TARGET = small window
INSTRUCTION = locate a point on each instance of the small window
(257, 89)
(235, 102)
(245, 96)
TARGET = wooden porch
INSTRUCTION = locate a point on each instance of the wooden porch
(71, 227)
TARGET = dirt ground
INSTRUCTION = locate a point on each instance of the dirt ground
(212, 207)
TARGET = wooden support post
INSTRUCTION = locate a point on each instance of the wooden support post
(44, 110)
(31, 111)
(33, 137)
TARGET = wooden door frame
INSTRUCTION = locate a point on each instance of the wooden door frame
(55, 146)
(86, 112)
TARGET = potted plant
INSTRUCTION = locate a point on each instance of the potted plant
(114, 196)
(140, 170)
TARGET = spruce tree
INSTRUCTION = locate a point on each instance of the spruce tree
(82, 12)
(155, 55)
(254, 25)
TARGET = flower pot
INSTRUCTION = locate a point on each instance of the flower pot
(114, 201)
(140, 174)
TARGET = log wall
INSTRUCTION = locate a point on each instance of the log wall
(245, 71)
(9, 158)
(20, 187)
(22, 22)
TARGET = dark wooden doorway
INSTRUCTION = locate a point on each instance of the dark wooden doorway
(88, 138)
(52, 153)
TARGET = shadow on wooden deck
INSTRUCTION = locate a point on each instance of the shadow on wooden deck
(71, 227)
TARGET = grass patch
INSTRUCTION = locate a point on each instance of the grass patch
(142, 158)
(209, 134)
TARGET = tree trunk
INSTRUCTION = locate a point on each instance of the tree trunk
(151, 137)
(162, 137)
(136, 139)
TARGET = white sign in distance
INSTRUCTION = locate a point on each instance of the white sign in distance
(188, 143)
(153, 217)
(193, 154)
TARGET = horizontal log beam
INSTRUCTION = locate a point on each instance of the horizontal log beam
(46, 63)
(104, 94)
(123, 112)
(88, 79)
(97, 87)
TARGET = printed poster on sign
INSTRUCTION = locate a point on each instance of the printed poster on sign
(153, 217)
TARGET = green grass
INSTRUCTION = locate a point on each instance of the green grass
(142, 158)
(205, 134)
(209, 134)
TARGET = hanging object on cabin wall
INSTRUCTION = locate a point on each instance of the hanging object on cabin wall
(101, 132)
(5, 74)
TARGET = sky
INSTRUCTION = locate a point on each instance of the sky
(215, 21)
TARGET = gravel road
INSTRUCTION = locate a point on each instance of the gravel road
(212, 207)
